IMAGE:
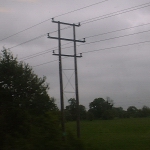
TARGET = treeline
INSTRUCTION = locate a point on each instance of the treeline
(100, 108)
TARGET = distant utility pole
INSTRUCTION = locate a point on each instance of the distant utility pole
(60, 72)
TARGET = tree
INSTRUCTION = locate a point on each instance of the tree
(90, 116)
(83, 112)
(26, 89)
(145, 111)
(99, 107)
(71, 112)
(132, 111)
(118, 112)
(26, 109)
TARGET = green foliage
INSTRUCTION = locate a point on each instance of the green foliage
(132, 111)
(90, 116)
(101, 108)
(108, 114)
(40, 133)
(145, 112)
(71, 111)
(83, 112)
(74, 143)
(45, 132)
(118, 112)
(25, 88)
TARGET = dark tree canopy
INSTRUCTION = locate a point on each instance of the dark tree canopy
(24, 88)
(71, 112)
(100, 107)
(24, 105)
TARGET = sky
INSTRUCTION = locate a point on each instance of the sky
(116, 55)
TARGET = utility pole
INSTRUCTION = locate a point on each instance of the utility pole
(60, 72)
(76, 84)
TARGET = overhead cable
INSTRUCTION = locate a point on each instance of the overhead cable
(55, 48)
(90, 20)
(51, 18)
(102, 49)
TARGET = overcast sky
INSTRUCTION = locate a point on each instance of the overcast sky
(115, 70)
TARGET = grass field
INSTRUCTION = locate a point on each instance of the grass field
(118, 134)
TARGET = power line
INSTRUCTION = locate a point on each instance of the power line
(118, 13)
(42, 53)
(117, 30)
(88, 22)
(119, 46)
(49, 50)
(53, 17)
(28, 41)
(23, 30)
(116, 47)
(48, 62)
(37, 54)
(43, 35)
(81, 8)
(115, 37)
(45, 52)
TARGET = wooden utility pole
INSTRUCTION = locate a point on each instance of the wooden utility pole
(60, 72)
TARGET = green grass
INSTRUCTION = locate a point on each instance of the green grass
(118, 134)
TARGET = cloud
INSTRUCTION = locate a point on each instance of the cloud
(27, 0)
(5, 10)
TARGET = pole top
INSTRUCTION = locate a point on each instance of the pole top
(77, 25)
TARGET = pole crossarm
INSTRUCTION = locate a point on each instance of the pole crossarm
(83, 41)
(69, 55)
(77, 25)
